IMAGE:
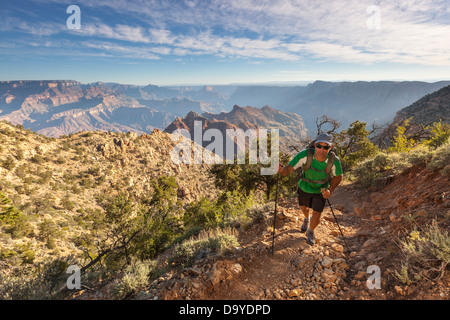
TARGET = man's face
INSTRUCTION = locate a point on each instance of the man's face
(322, 148)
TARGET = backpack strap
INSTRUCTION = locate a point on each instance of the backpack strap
(309, 157)
(330, 163)
(328, 168)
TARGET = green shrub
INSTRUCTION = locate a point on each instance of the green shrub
(39, 283)
(19, 227)
(217, 241)
(230, 209)
(383, 164)
(202, 213)
(235, 208)
(136, 277)
(420, 155)
(8, 213)
(9, 163)
(402, 142)
(353, 145)
(427, 252)
(441, 134)
(38, 159)
(440, 157)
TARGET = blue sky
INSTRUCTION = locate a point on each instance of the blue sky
(220, 42)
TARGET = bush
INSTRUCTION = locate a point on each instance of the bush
(217, 241)
(48, 230)
(420, 155)
(402, 142)
(441, 134)
(8, 213)
(384, 164)
(38, 159)
(353, 145)
(427, 253)
(232, 208)
(440, 157)
(40, 283)
(203, 213)
(9, 163)
(235, 208)
(135, 278)
(19, 227)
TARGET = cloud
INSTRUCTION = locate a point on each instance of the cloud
(410, 32)
(118, 32)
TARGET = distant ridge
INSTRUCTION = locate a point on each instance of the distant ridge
(431, 108)
(290, 125)
(62, 107)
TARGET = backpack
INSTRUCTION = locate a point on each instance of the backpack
(309, 161)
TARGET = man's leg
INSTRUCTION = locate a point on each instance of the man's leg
(318, 204)
(315, 220)
(305, 211)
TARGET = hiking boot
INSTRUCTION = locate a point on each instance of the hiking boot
(310, 237)
(305, 225)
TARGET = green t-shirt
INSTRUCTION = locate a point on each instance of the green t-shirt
(300, 159)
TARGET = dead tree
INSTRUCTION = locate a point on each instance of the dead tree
(325, 120)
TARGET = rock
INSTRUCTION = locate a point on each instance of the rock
(340, 207)
(328, 271)
(369, 243)
(294, 293)
(399, 290)
(327, 261)
(194, 271)
(360, 275)
(329, 278)
(299, 263)
(215, 276)
(337, 248)
(236, 268)
(295, 282)
(393, 217)
(281, 215)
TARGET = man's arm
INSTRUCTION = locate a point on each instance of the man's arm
(284, 171)
(333, 185)
(335, 182)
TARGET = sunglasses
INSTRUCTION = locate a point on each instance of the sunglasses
(318, 146)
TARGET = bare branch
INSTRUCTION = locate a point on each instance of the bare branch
(327, 120)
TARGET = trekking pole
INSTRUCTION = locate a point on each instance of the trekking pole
(275, 214)
(343, 238)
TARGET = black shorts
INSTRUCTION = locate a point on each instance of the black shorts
(314, 201)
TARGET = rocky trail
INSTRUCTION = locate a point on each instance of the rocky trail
(324, 271)
(297, 270)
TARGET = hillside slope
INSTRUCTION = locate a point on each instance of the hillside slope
(433, 107)
(327, 270)
(61, 183)
(374, 223)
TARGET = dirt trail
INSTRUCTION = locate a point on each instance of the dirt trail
(372, 221)
(297, 270)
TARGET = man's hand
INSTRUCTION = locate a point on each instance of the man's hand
(284, 171)
(280, 168)
(326, 193)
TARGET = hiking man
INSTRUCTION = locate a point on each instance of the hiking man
(322, 173)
